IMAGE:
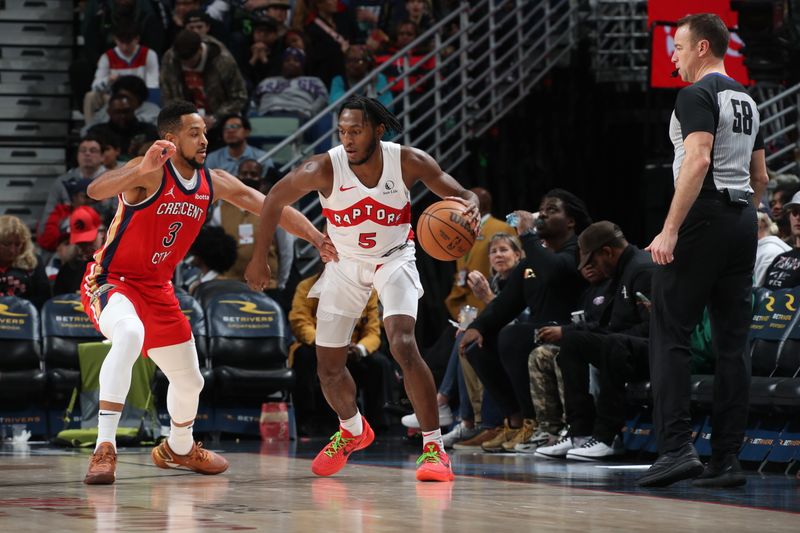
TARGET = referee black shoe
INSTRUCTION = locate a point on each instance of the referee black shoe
(722, 473)
(672, 467)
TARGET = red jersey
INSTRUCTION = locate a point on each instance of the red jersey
(146, 241)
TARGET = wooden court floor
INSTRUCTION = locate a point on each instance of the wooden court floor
(271, 488)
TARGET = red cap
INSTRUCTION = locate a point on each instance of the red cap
(83, 225)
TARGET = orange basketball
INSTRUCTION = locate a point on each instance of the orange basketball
(443, 232)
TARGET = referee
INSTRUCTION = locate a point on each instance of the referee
(706, 250)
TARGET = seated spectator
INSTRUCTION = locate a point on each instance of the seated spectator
(548, 283)
(235, 130)
(371, 369)
(199, 71)
(784, 271)
(265, 52)
(617, 347)
(22, 274)
(359, 62)
(291, 93)
(781, 195)
(406, 71)
(201, 23)
(127, 58)
(480, 417)
(769, 247)
(215, 18)
(420, 12)
(213, 253)
(134, 89)
(331, 29)
(295, 39)
(122, 123)
(241, 226)
(56, 227)
(547, 385)
(100, 16)
(90, 165)
(111, 151)
(86, 233)
(477, 259)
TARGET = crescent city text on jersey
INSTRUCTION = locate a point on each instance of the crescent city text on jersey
(181, 208)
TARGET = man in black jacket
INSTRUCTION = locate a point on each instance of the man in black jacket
(547, 281)
(616, 346)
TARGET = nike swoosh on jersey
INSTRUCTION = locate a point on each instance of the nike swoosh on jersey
(342, 188)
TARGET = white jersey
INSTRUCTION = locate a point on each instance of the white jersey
(365, 224)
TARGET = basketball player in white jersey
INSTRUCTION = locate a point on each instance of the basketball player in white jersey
(364, 188)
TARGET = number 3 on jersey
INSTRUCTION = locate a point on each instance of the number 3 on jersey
(172, 234)
(367, 240)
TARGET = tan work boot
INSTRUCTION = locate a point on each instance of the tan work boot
(525, 433)
(475, 442)
(102, 466)
(198, 459)
(496, 444)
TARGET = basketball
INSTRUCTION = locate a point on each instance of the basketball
(443, 232)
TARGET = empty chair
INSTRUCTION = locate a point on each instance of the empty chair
(248, 347)
(64, 326)
(22, 380)
(205, 291)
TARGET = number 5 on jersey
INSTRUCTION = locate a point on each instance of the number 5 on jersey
(367, 240)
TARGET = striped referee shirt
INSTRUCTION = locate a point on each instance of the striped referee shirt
(722, 107)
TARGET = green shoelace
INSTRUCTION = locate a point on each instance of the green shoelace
(337, 442)
(431, 456)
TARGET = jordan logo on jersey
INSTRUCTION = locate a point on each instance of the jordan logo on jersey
(171, 192)
(369, 209)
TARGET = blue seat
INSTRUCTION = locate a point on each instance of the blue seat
(248, 347)
(64, 326)
(21, 377)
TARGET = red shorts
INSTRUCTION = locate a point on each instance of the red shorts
(157, 308)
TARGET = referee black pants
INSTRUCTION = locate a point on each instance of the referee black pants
(713, 267)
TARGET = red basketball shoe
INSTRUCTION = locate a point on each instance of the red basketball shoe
(334, 455)
(434, 464)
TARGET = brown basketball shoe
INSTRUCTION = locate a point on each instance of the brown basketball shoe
(198, 459)
(102, 466)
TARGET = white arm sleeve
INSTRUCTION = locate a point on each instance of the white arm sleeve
(151, 70)
(100, 82)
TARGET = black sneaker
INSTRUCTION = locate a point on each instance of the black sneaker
(722, 473)
(672, 467)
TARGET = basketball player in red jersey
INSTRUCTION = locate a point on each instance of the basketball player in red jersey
(364, 189)
(164, 198)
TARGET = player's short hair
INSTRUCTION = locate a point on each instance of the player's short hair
(169, 119)
(710, 27)
(374, 111)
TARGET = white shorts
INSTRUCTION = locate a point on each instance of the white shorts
(345, 286)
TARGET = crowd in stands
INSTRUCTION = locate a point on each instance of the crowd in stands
(561, 302)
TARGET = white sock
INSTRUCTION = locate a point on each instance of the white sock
(353, 425)
(180, 438)
(107, 422)
(432, 436)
